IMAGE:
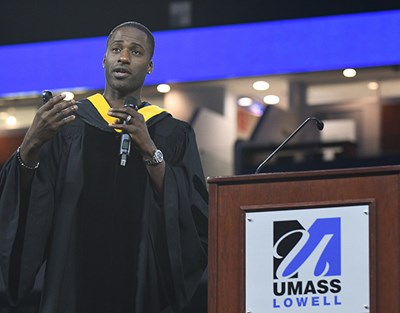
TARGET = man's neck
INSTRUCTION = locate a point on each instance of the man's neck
(116, 100)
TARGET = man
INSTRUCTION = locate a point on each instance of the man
(115, 239)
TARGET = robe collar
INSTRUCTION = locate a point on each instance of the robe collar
(101, 105)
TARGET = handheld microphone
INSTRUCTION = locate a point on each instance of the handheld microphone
(320, 126)
(125, 145)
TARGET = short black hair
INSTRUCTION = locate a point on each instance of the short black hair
(139, 26)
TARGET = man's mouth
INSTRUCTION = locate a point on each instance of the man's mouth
(120, 72)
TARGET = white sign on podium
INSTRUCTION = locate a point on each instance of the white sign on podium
(312, 260)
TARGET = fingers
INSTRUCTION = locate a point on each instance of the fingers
(57, 109)
(136, 126)
(54, 100)
(58, 112)
(123, 115)
(66, 120)
(57, 105)
(65, 110)
(63, 106)
(54, 114)
(131, 123)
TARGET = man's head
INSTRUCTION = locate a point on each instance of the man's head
(137, 26)
(128, 59)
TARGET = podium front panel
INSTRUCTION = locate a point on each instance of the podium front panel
(307, 260)
(231, 198)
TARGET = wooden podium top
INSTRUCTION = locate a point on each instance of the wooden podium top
(252, 178)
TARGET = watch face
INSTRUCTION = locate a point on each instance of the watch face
(158, 156)
(156, 159)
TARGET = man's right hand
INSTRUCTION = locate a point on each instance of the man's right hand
(48, 120)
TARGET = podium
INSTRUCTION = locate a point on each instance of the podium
(233, 198)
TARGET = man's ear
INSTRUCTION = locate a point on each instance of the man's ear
(104, 61)
(150, 67)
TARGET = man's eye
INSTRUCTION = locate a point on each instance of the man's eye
(116, 50)
(136, 52)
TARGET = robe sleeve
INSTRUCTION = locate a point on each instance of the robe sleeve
(25, 225)
(178, 226)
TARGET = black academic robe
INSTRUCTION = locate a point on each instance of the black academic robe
(167, 238)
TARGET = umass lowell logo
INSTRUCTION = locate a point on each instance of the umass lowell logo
(307, 263)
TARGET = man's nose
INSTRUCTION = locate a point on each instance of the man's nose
(124, 56)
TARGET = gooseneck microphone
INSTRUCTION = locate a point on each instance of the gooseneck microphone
(125, 145)
(320, 126)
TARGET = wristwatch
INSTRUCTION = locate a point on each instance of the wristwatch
(156, 159)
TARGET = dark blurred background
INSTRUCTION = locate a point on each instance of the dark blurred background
(23, 21)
